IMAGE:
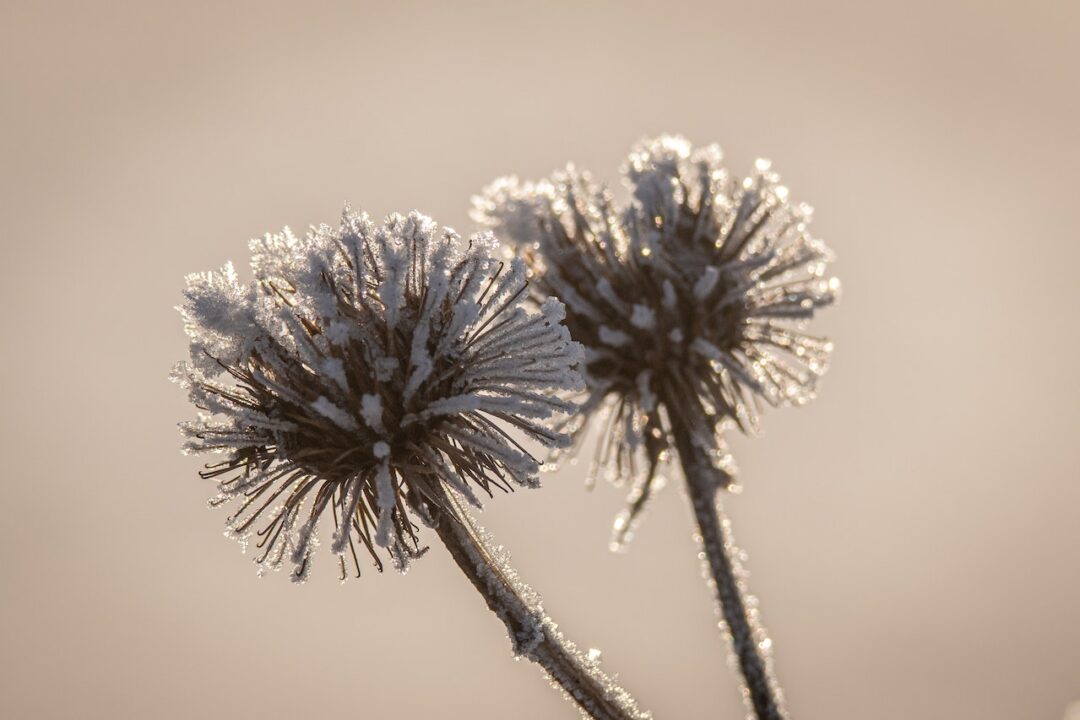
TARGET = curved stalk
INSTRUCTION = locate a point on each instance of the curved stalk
(749, 641)
(532, 633)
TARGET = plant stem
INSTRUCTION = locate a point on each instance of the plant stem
(748, 638)
(532, 632)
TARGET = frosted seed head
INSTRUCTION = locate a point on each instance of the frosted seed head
(713, 315)
(333, 384)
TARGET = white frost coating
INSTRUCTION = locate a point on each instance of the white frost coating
(421, 369)
(707, 282)
(643, 317)
(614, 338)
(334, 369)
(608, 293)
(706, 349)
(217, 315)
(521, 336)
(371, 411)
(553, 310)
(524, 403)
(507, 284)
(452, 406)
(306, 537)
(392, 288)
(385, 367)
(512, 207)
(332, 412)
(384, 488)
(671, 301)
(521, 466)
(573, 299)
(645, 392)
(352, 502)
(213, 301)
(419, 359)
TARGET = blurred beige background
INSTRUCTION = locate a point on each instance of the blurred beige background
(913, 534)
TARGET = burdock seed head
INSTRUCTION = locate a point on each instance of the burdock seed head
(690, 300)
(361, 368)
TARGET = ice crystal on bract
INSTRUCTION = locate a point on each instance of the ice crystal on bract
(689, 300)
(361, 367)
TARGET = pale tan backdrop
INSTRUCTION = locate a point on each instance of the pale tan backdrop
(913, 533)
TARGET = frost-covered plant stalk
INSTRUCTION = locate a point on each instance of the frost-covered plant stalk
(370, 378)
(690, 302)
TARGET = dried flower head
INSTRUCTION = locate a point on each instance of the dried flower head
(361, 368)
(690, 300)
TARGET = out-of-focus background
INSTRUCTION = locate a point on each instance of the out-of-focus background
(913, 534)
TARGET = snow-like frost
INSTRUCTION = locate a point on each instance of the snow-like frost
(691, 299)
(363, 363)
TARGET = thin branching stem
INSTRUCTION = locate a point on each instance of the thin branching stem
(533, 634)
(748, 638)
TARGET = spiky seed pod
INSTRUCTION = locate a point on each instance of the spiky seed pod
(374, 374)
(690, 300)
(365, 371)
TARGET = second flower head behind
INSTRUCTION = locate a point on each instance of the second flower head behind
(690, 300)
(363, 366)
